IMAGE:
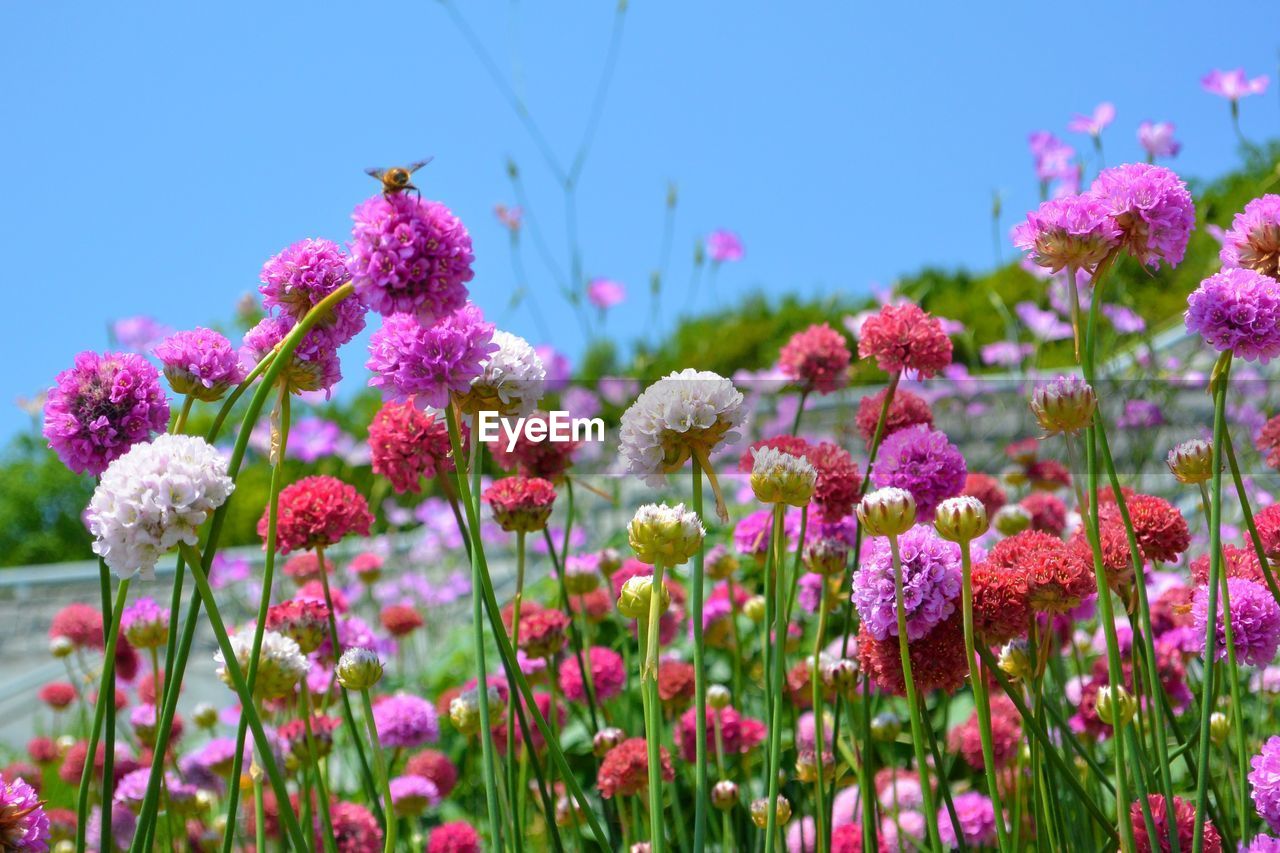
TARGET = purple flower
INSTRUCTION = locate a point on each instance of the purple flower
(557, 365)
(24, 826)
(1005, 353)
(724, 246)
(1075, 231)
(101, 407)
(412, 794)
(405, 721)
(410, 256)
(1103, 114)
(930, 583)
(1042, 324)
(1140, 414)
(139, 334)
(1124, 320)
(1265, 780)
(311, 439)
(1253, 242)
(302, 275)
(1052, 157)
(314, 366)
(1233, 85)
(1156, 138)
(1255, 621)
(226, 571)
(923, 462)
(1262, 844)
(200, 362)
(977, 818)
(427, 363)
(1237, 310)
(605, 293)
(753, 531)
(1152, 207)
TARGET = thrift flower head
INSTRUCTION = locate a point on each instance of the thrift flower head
(410, 256)
(924, 463)
(937, 659)
(817, 359)
(1052, 157)
(280, 663)
(670, 535)
(724, 246)
(604, 293)
(407, 445)
(153, 497)
(1265, 781)
(1238, 311)
(511, 381)
(1076, 231)
(1151, 206)
(905, 337)
(317, 512)
(1233, 85)
(456, 837)
(930, 583)
(24, 826)
(625, 769)
(905, 409)
(1156, 138)
(404, 720)
(1182, 821)
(411, 795)
(607, 675)
(1191, 461)
(102, 406)
(521, 503)
(200, 362)
(1253, 241)
(427, 363)
(1066, 404)
(1103, 114)
(778, 477)
(977, 818)
(145, 624)
(298, 278)
(359, 668)
(1255, 621)
(314, 366)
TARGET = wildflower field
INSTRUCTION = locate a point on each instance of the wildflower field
(984, 563)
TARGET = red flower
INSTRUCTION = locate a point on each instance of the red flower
(987, 489)
(607, 675)
(1184, 822)
(838, 483)
(905, 410)
(1057, 577)
(79, 623)
(1268, 442)
(355, 830)
(675, 684)
(43, 750)
(304, 567)
(1237, 563)
(1048, 474)
(905, 337)
(847, 838)
(521, 503)
(542, 633)
(817, 359)
(1047, 512)
(937, 659)
(1023, 451)
(304, 620)
(73, 762)
(788, 444)
(58, 694)
(1117, 559)
(545, 458)
(738, 733)
(407, 444)
(1006, 735)
(625, 769)
(314, 591)
(400, 619)
(1160, 529)
(456, 837)
(1001, 603)
(1172, 609)
(436, 766)
(595, 604)
(317, 512)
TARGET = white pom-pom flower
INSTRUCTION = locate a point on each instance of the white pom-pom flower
(281, 662)
(153, 497)
(511, 381)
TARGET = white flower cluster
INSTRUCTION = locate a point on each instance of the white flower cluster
(667, 534)
(693, 405)
(779, 477)
(153, 497)
(281, 662)
(514, 374)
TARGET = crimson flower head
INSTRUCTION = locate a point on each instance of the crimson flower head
(407, 445)
(905, 410)
(521, 504)
(58, 694)
(817, 359)
(625, 769)
(1048, 513)
(937, 659)
(541, 458)
(1161, 530)
(542, 633)
(79, 623)
(675, 684)
(306, 567)
(401, 619)
(303, 620)
(838, 483)
(905, 337)
(317, 512)
(1057, 577)
(987, 489)
(1180, 819)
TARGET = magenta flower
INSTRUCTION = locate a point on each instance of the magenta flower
(101, 407)
(605, 293)
(923, 462)
(930, 583)
(1103, 114)
(1255, 622)
(1237, 310)
(1253, 242)
(1152, 207)
(426, 363)
(1076, 231)
(1053, 158)
(24, 826)
(1233, 85)
(302, 275)
(724, 246)
(314, 366)
(1156, 138)
(1265, 781)
(405, 721)
(410, 256)
(200, 362)
(139, 334)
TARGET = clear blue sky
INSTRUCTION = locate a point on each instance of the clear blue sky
(155, 155)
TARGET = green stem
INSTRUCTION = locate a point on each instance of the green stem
(819, 737)
(326, 817)
(1247, 512)
(380, 765)
(702, 790)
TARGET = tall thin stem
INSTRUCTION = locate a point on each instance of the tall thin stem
(380, 765)
(653, 709)
(701, 783)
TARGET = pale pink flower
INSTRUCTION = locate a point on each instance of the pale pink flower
(1103, 114)
(1233, 85)
(723, 245)
(605, 293)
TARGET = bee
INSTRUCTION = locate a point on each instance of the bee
(396, 179)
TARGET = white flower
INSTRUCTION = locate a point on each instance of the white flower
(779, 477)
(680, 414)
(512, 380)
(280, 662)
(153, 497)
(667, 534)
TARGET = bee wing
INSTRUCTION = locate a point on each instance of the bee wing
(413, 167)
(375, 172)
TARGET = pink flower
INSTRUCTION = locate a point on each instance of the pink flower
(1052, 156)
(723, 245)
(605, 293)
(1157, 139)
(1233, 85)
(1103, 114)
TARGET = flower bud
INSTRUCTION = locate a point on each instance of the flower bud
(724, 794)
(665, 534)
(1192, 461)
(1012, 519)
(885, 727)
(580, 579)
(887, 512)
(606, 739)
(1014, 476)
(840, 674)
(780, 478)
(961, 519)
(569, 813)
(754, 607)
(1066, 404)
(1015, 659)
(66, 845)
(359, 669)
(641, 847)
(720, 563)
(807, 766)
(61, 647)
(827, 556)
(1115, 705)
(760, 811)
(718, 696)
(205, 715)
(610, 561)
(1219, 727)
(633, 601)
(464, 713)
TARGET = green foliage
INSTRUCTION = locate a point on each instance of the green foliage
(40, 506)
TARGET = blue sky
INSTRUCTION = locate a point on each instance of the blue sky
(155, 155)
